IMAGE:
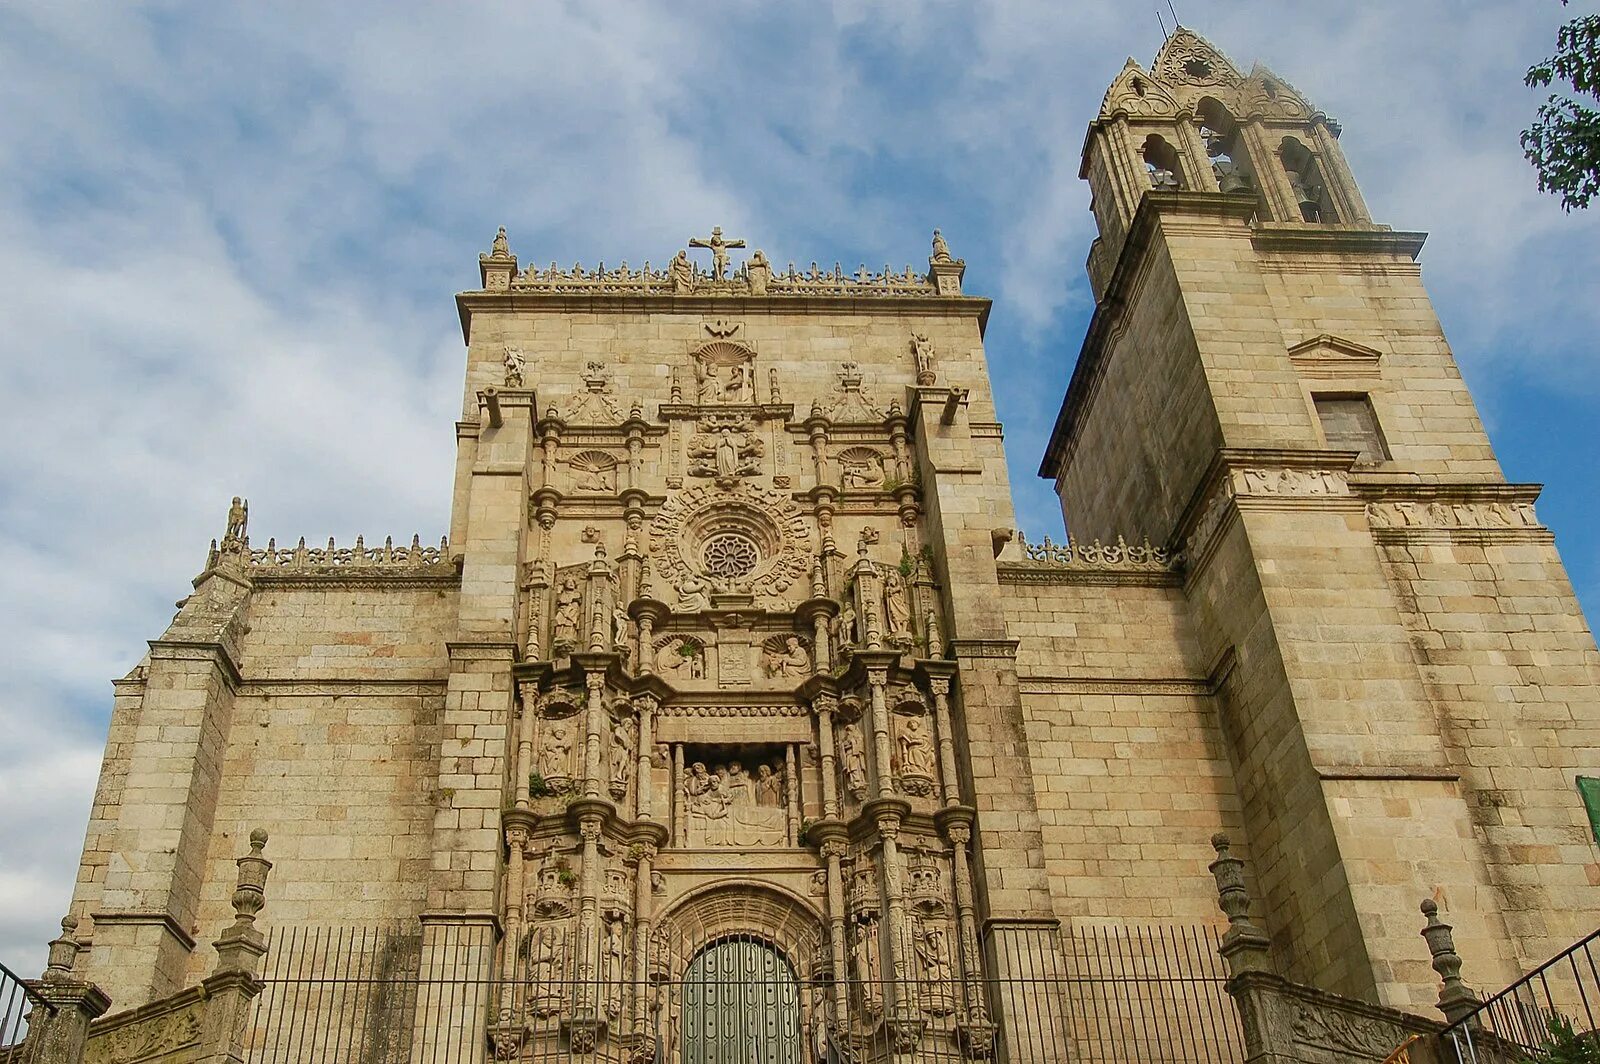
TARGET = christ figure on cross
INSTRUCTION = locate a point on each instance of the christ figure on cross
(719, 250)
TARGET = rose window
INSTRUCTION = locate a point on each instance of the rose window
(730, 556)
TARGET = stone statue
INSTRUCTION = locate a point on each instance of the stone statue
(896, 607)
(844, 626)
(238, 521)
(719, 250)
(679, 658)
(867, 474)
(544, 968)
(500, 248)
(727, 454)
(621, 757)
(555, 753)
(569, 603)
(615, 952)
(933, 950)
(853, 761)
(769, 787)
(941, 250)
(922, 352)
(514, 362)
(791, 661)
(708, 385)
(759, 270)
(692, 597)
(738, 382)
(681, 271)
(916, 750)
(622, 627)
(740, 787)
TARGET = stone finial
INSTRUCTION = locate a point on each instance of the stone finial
(63, 952)
(250, 890)
(501, 247)
(1456, 999)
(1245, 945)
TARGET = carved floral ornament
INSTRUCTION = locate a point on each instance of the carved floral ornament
(1189, 68)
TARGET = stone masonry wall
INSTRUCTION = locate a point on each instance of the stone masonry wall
(1129, 762)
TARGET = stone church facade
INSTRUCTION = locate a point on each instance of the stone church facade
(731, 639)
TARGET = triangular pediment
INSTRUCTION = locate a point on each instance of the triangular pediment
(1265, 93)
(1189, 59)
(1327, 355)
(1134, 92)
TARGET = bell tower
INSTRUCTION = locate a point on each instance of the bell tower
(1265, 388)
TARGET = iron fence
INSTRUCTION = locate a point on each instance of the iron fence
(1548, 1014)
(452, 993)
(20, 1006)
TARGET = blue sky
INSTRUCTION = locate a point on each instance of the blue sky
(230, 235)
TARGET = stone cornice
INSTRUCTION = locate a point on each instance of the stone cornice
(718, 304)
(165, 921)
(1339, 240)
(1024, 573)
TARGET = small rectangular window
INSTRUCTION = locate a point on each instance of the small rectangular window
(1350, 424)
(1589, 790)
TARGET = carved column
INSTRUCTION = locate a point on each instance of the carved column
(645, 706)
(515, 895)
(939, 685)
(825, 706)
(635, 429)
(974, 1029)
(817, 429)
(525, 722)
(869, 600)
(646, 661)
(549, 441)
(833, 851)
(539, 574)
(904, 1018)
(680, 822)
(791, 792)
(897, 441)
(878, 680)
(599, 611)
(822, 656)
(643, 918)
(631, 562)
(594, 727)
(586, 1014)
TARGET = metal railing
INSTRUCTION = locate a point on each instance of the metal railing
(399, 996)
(1550, 1014)
(20, 1006)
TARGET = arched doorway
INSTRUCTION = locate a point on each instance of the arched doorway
(741, 1005)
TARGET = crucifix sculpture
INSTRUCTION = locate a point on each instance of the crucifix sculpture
(719, 250)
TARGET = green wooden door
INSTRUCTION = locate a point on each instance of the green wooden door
(741, 1005)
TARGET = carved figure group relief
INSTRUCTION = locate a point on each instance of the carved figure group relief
(1452, 514)
(727, 806)
(785, 657)
(1281, 481)
(679, 658)
(725, 450)
(595, 405)
(861, 468)
(725, 374)
(594, 472)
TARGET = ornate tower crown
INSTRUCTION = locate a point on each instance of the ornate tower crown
(1192, 123)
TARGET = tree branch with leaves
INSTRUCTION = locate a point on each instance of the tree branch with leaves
(1564, 141)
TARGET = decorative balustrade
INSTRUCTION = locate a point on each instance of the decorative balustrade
(359, 557)
(791, 282)
(1140, 556)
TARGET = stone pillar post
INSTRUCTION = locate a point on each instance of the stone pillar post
(645, 706)
(233, 985)
(817, 429)
(586, 1021)
(593, 731)
(643, 919)
(791, 792)
(680, 822)
(59, 1032)
(939, 675)
(825, 706)
(878, 682)
(974, 1030)
(834, 845)
(1456, 999)
(599, 583)
(869, 598)
(904, 1018)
